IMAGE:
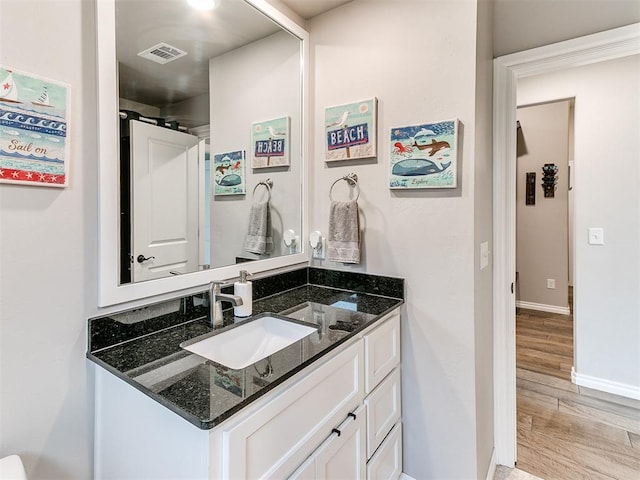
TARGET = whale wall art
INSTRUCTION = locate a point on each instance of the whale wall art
(228, 173)
(424, 155)
(34, 148)
(350, 130)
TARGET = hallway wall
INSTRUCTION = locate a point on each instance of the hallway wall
(542, 229)
(607, 195)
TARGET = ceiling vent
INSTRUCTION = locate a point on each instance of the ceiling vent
(162, 53)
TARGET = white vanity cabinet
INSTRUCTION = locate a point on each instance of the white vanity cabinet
(338, 419)
(341, 455)
(273, 440)
(383, 399)
(369, 443)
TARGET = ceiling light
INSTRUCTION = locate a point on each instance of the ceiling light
(204, 4)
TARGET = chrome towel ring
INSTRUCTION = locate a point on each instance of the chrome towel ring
(268, 184)
(351, 179)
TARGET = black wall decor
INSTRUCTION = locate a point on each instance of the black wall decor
(530, 195)
(549, 179)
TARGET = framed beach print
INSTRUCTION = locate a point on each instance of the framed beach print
(270, 143)
(350, 130)
(424, 155)
(34, 148)
(228, 173)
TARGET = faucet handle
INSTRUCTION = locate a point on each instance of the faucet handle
(215, 307)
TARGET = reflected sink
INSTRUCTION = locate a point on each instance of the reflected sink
(249, 342)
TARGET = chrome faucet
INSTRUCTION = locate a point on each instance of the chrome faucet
(215, 303)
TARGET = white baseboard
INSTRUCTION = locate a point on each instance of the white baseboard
(617, 388)
(404, 476)
(492, 465)
(543, 308)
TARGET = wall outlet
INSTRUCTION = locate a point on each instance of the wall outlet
(551, 283)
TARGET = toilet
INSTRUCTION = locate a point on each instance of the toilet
(11, 468)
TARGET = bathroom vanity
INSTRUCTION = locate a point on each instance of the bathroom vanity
(326, 406)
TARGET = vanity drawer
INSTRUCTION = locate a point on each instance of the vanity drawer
(382, 351)
(383, 410)
(386, 464)
(299, 419)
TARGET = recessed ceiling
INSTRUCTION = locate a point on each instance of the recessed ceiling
(141, 24)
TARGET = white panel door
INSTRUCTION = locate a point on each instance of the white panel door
(164, 201)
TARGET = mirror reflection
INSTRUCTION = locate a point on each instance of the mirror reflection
(210, 137)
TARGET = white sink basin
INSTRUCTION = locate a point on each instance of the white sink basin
(250, 342)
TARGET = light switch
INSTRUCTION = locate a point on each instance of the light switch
(596, 236)
(484, 255)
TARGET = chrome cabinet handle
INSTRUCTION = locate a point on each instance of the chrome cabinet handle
(141, 258)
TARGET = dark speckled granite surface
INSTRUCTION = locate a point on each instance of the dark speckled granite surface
(147, 353)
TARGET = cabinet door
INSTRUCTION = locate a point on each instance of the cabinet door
(274, 440)
(306, 471)
(343, 456)
(383, 410)
(386, 464)
(382, 350)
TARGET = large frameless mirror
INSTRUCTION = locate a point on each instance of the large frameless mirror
(201, 143)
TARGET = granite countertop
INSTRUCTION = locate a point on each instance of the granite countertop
(147, 354)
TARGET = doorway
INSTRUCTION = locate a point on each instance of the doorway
(596, 48)
(542, 206)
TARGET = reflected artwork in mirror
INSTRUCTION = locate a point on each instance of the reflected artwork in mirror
(183, 86)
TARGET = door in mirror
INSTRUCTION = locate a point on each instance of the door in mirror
(165, 166)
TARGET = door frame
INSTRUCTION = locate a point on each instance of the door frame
(599, 47)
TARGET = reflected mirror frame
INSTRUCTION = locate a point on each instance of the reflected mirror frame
(110, 292)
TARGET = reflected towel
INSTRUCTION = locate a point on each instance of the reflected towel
(343, 241)
(259, 239)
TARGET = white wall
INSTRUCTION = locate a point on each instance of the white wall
(483, 226)
(607, 195)
(190, 113)
(141, 108)
(419, 60)
(524, 24)
(48, 257)
(258, 82)
(422, 68)
(542, 250)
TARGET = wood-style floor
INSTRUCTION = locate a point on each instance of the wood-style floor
(566, 432)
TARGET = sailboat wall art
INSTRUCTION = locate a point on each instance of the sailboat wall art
(34, 148)
(424, 155)
(270, 143)
(350, 130)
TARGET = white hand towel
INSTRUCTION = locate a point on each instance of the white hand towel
(259, 239)
(343, 242)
